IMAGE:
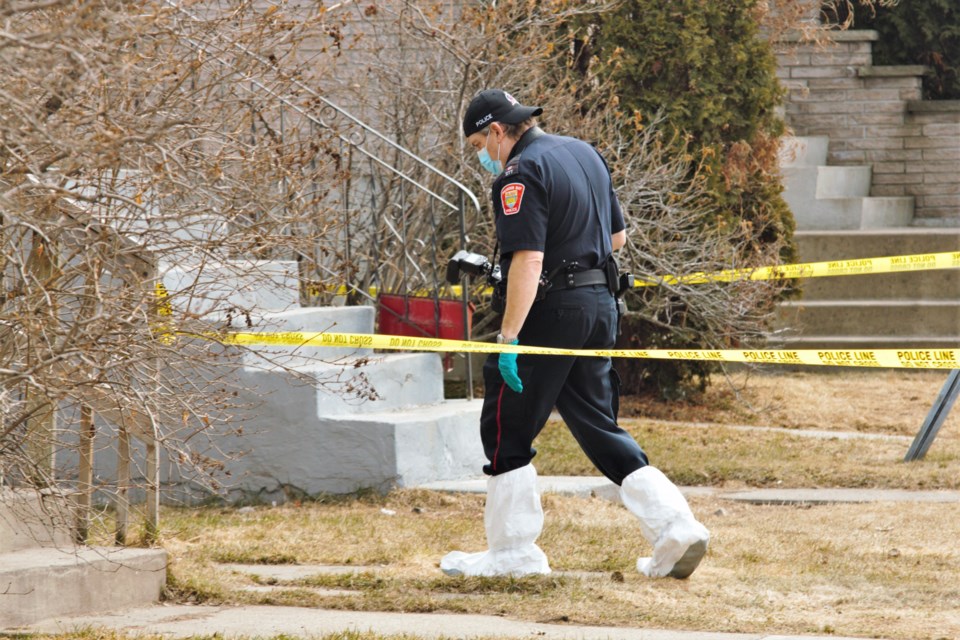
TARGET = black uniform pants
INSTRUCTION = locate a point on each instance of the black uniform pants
(585, 390)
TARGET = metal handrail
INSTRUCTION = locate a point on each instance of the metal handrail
(465, 192)
(343, 112)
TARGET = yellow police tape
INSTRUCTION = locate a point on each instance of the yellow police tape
(859, 266)
(889, 358)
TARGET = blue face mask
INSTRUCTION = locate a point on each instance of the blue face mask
(493, 166)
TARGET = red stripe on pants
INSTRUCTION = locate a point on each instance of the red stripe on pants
(496, 451)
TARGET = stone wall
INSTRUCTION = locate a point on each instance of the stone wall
(938, 147)
(874, 115)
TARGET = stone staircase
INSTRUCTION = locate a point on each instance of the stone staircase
(875, 117)
(43, 574)
(303, 431)
(317, 420)
(825, 197)
(313, 439)
(871, 173)
(837, 219)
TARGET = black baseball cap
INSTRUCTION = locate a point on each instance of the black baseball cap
(495, 105)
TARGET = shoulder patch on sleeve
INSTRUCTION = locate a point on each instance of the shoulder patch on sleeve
(511, 196)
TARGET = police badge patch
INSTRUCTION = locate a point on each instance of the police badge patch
(510, 197)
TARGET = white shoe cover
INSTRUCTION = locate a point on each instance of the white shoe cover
(679, 541)
(513, 519)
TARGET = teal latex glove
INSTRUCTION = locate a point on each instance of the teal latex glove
(508, 369)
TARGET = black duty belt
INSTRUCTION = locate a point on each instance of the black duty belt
(578, 279)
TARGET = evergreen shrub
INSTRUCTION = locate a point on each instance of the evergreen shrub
(708, 70)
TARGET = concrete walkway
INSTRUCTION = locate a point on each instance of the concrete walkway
(184, 621)
(181, 621)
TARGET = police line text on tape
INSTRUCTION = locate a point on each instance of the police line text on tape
(887, 358)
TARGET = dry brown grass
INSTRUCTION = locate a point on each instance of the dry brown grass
(835, 399)
(701, 442)
(729, 457)
(855, 570)
(885, 570)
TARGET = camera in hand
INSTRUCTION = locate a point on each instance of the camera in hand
(464, 263)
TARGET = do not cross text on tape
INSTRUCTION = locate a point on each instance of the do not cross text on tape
(884, 358)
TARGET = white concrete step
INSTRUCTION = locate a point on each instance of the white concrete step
(894, 310)
(39, 584)
(872, 317)
(309, 320)
(843, 182)
(904, 285)
(290, 435)
(860, 341)
(883, 213)
(803, 151)
(147, 224)
(241, 291)
(380, 382)
(820, 246)
(850, 213)
(831, 213)
(371, 451)
(31, 520)
(800, 185)
(825, 197)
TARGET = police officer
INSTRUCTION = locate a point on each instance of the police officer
(558, 223)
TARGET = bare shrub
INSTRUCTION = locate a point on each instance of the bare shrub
(139, 140)
(440, 58)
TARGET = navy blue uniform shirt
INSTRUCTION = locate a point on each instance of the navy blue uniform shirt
(555, 195)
